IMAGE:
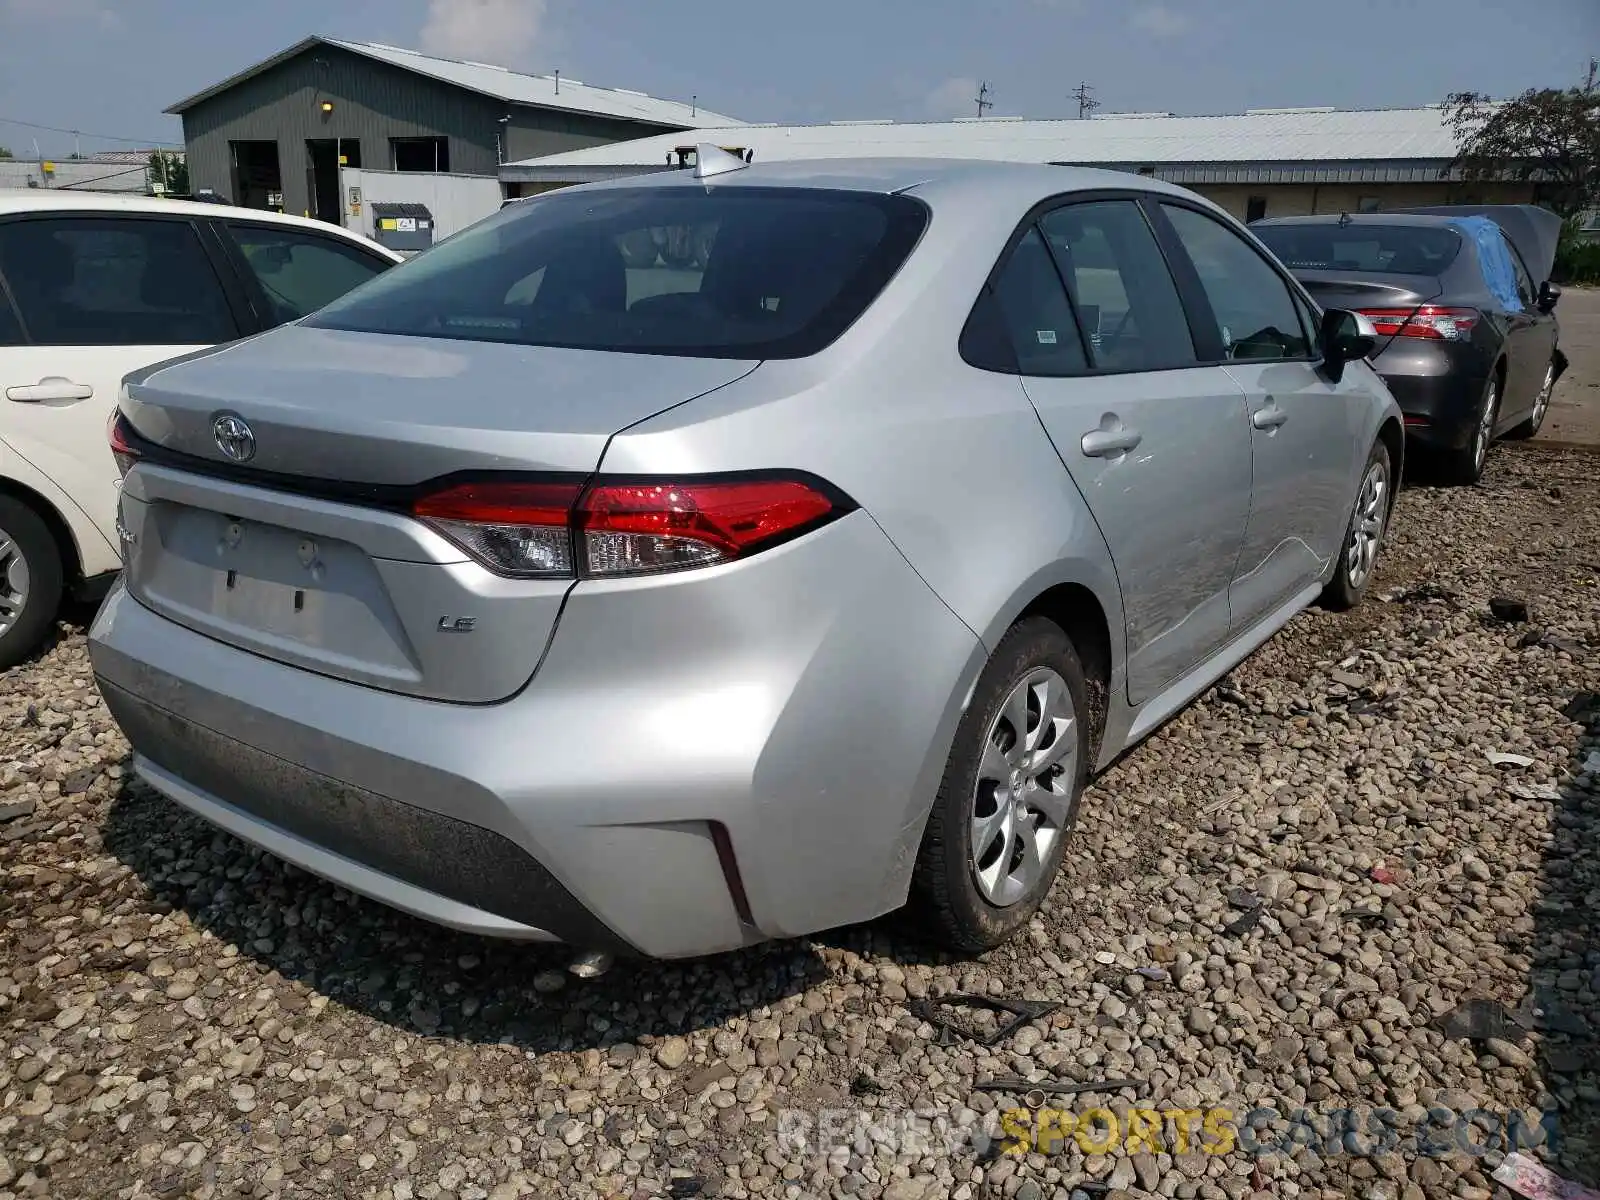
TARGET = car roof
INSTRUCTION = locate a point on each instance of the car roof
(1016, 183)
(25, 200)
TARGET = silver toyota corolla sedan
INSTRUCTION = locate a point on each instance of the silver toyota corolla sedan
(736, 552)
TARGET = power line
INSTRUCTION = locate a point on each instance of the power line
(101, 137)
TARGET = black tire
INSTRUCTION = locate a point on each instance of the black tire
(945, 889)
(1541, 407)
(1348, 587)
(24, 536)
(1464, 467)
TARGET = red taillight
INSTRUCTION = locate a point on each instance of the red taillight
(622, 527)
(121, 449)
(1429, 321)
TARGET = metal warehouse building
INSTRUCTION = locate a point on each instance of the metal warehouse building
(275, 135)
(1267, 161)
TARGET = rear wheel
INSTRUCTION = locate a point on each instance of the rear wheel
(1009, 798)
(1541, 406)
(1363, 536)
(30, 581)
(1465, 466)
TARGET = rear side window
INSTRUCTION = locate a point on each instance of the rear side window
(300, 272)
(1253, 305)
(736, 272)
(1383, 249)
(1125, 298)
(93, 281)
(10, 327)
(1024, 324)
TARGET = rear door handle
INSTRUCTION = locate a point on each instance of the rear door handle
(1269, 416)
(1106, 443)
(52, 389)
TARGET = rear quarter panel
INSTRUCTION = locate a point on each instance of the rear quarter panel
(951, 462)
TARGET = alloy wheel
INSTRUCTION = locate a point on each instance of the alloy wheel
(13, 582)
(1022, 801)
(1485, 430)
(1366, 528)
(1542, 404)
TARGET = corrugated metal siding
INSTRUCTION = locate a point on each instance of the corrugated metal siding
(534, 132)
(373, 102)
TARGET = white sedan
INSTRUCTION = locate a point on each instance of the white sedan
(94, 286)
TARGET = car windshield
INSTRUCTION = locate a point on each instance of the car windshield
(734, 272)
(1380, 249)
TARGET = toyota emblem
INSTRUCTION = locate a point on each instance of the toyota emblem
(234, 438)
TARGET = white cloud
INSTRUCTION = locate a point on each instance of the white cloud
(956, 97)
(503, 32)
(1161, 20)
(87, 11)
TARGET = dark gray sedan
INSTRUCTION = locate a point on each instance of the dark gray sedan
(1463, 307)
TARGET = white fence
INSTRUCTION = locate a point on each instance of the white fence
(455, 201)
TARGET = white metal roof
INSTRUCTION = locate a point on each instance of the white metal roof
(1262, 136)
(543, 91)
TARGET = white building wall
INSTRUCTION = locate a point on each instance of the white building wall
(455, 201)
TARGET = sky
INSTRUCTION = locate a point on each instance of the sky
(109, 67)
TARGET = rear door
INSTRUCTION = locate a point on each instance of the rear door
(1158, 445)
(290, 272)
(1304, 428)
(99, 296)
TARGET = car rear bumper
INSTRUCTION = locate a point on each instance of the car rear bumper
(702, 761)
(1438, 388)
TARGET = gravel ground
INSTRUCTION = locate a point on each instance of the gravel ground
(182, 1015)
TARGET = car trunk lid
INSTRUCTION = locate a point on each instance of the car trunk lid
(306, 553)
(1362, 292)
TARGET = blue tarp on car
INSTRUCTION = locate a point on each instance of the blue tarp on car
(1494, 255)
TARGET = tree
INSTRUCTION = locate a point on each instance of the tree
(5, 152)
(170, 170)
(1549, 136)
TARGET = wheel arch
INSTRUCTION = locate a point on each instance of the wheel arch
(60, 531)
(1393, 436)
(1077, 612)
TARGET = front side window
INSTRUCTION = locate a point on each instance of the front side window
(1121, 288)
(1525, 289)
(96, 281)
(1253, 306)
(300, 272)
(736, 272)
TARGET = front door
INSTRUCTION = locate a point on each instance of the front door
(1532, 344)
(97, 297)
(1158, 446)
(1302, 426)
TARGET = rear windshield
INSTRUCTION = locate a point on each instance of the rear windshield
(737, 272)
(1382, 249)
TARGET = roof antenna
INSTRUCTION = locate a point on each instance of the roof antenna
(694, 105)
(558, 83)
(712, 160)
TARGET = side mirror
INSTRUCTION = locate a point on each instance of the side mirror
(1549, 296)
(1346, 337)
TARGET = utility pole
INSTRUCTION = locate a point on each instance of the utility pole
(1084, 95)
(1594, 67)
(984, 103)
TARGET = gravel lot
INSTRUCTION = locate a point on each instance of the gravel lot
(182, 1015)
